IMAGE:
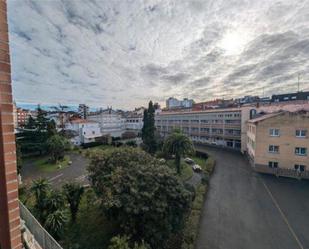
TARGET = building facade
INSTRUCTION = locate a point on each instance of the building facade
(220, 127)
(83, 111)
(22, 116)
(111, 123)
(172, 103)
(290, 97)
(85, 131)
(278, 143)
(134, 122)
(10, 230)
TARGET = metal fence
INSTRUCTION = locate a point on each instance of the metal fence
(44, 239)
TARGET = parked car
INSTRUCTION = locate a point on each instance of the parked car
(196, 168)
(189, 160)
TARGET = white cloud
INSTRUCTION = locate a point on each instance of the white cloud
(123, 53)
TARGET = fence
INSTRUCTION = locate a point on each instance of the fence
(44, 239)
(281, 171)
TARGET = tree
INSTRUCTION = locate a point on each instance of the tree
(123, 242)
(148, 130)
(30, 123)
(57, 146)
(139, 193)
(73, 193)
(178, 144)
(51, 128)
(145, 125)
(41, 119)
(55, 223)
(40, 189)
(54, 201)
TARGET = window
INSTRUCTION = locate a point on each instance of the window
(274, 132)
(273, 149)
(300, 167)
(93, 132)
(301, 151)
(301, 133)
(273, 165)
(294, 97)
(286, 98)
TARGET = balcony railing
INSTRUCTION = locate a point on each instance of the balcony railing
(35, 236)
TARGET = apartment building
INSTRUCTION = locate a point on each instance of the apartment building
(221, 127)
(85, 131)
(22, 116)
(134, 122)
(278, 143)
(290, 97)
(111, 123)
(172, 103)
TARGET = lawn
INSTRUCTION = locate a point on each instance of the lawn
(92, 229)
(186, 172)
(44, 165)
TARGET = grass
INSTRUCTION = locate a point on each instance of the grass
(44, 165)
(186, 172)
(92, 229)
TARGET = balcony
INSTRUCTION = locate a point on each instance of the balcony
(33, 234)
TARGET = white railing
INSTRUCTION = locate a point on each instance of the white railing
(41, 236)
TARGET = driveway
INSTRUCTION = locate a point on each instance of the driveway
(247, 210)
(75, 172)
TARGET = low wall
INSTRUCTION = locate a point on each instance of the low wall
(281, 171)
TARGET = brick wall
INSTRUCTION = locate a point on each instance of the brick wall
(10, 237)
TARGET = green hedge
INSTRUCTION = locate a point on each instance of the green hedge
(191, 228)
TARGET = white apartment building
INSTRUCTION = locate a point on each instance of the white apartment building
(175, 103)
(220, 127)
(110, 122)
(134, 122)
(85, 131)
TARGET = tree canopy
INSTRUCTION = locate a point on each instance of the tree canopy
(148, 130)
(140, 193)
(179, 145)
(57, 146)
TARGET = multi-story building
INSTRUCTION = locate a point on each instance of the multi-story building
(83, 111)
(22, 116)
(290, 97)
(172, 103)
(134, 122)
(222, 127)
(111, 123)
(85, 131)
(278, 143)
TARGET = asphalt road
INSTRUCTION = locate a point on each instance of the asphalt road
(247, 210)
(75, 172)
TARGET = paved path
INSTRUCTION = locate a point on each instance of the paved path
(246, 210)
(75, 172)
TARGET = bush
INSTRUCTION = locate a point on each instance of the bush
(123, 242)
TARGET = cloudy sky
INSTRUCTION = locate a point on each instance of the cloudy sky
(125, 52)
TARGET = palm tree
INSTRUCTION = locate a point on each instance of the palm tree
(178, 144)
(40, 189)
(54, 201)
(73, 193)
(55, 223)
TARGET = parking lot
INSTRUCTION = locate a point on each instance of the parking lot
(247, 210)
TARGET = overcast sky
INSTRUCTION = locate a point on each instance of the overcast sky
(123, 53)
